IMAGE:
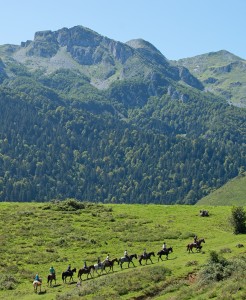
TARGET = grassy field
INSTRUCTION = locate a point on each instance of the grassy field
(34, 236)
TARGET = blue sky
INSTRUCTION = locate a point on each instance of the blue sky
(178, 28)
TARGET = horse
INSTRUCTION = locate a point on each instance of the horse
(196, 245)
(146, 257)
(37, 283)
(86, 271)
(164, 252)
(68, 274)
(99, 266)
(127, 259)
(50, 278)
(110, 264)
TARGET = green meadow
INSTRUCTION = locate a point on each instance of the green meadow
(34, 236)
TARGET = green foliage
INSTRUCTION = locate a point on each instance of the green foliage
(238, 219)
(219, 268)
(7, 282)
(141, 140)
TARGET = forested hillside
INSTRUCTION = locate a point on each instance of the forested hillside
(144, 133)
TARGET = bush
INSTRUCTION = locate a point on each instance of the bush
(7, 282)
(238, 220)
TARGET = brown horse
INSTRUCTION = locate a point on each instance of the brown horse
(164, 252)
(146, 257)
(196, 245)
(68, 274)
(37, 283)
(50, 278)
(109, 264)
(86, 271)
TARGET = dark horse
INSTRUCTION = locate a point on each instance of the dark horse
(146, 257)
(86, 271)
(68, 274)
(50, 278)
(164, 252)
(127, 259)
(196, 245)
(109, 264)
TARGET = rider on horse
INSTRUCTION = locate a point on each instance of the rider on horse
(37, 278)
(195, 239)
(126, 255)
(69, 268)
(164, 246)
(144, 253)
(85, 265)
(99, 261)
(52, 271)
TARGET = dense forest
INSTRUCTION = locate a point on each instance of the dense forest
(61, 137)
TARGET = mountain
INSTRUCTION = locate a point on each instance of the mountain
(83, 116)
(221, 73)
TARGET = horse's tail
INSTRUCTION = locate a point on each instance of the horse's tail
(63, 276)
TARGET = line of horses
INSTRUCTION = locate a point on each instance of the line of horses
(108, 265)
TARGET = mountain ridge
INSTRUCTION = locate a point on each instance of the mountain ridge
(86, 117)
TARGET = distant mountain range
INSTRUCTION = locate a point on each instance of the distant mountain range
(83, 116)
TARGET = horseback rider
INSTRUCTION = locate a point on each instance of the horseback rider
(144, 253)
(107, 260)
(126, 255)
(85, 265)
(195, 239)
(52, 271)
(37, 278)
(99, 261)
(69, 268)
(164, 247)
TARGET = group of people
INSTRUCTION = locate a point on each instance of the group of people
(53, 273)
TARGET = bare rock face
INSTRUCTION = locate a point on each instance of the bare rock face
(45, 44)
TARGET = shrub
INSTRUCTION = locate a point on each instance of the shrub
(238, 219)
(7, 282)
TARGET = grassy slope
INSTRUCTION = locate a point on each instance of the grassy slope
(232, 193)
(32, 239)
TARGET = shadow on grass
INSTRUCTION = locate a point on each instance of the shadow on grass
(41, 292)
(55, 285)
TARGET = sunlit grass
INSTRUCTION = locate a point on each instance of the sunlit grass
(33, 237)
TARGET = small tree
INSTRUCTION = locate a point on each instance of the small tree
(238, 219)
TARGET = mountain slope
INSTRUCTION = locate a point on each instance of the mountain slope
(232, 193)
(86, 117)
(221, 73)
